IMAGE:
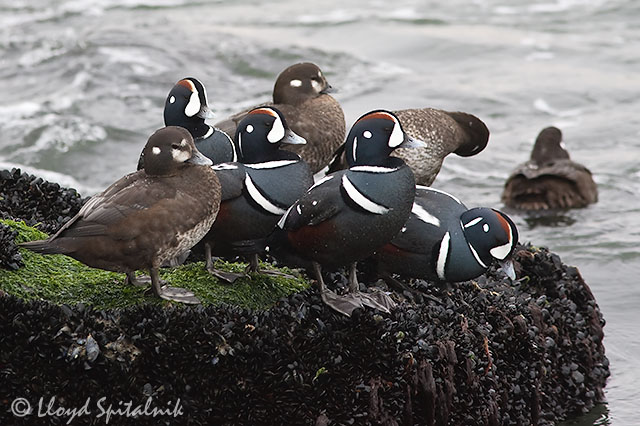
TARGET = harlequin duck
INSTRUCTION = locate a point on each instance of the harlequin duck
(146, 217)
(549, 180)
(301, 94)
(257, 190)
(187, 106)
(349, 214)
(443, 132)
(446, 242)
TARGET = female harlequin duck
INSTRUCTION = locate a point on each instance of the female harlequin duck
(443, 132)
(147, 217)
(549, 180)
(187, 106)
(301, 94)
(348, 215)
(445, 241)
(257, 190)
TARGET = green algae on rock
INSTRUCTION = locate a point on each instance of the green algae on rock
(63, 280)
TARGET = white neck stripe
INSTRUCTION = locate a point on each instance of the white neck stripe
(355, 146)
(424, 215)
(372, 169)
(360, 199)
(260, 199)
(442, 256)
(271, 164)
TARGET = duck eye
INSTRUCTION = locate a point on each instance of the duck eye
(175, 146)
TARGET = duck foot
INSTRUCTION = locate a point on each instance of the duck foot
(176, 294)
(176, 261)
(141, 281)
(229, 277)
(344, 304)
(254, 266)
(377, 300)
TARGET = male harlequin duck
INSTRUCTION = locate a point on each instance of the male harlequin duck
(187, 106)
(256, 190)
(301, 94)
(348, 215)
(444, 241)
(146, 217)
(549, 180)
(443, 132)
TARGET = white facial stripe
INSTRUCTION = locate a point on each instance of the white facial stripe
(204, 93)
(501, 252)
(397, 137)
(320, 182)
(193, 107)
(442, 256)
(180, 155)
(372, 169)
(355, 147)
(183, 142)
(209, 133)
(360, 199)
(260, 199)
(277, 130)
(472, 222)
(424, 215)
(156, 150)
(320, 74)
(316, 86)
(271, 164)
(295, 83)
(475, 254)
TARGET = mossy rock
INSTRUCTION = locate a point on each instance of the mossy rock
(63, 280)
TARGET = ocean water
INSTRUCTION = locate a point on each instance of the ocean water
(83, 85)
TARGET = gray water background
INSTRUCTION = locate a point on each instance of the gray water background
(82, 85)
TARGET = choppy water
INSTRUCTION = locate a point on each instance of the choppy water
(83, 84)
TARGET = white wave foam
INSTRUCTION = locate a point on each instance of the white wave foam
(542, 105)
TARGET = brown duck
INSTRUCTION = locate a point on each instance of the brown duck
(146, 217)
(301, 94)
(549, 180)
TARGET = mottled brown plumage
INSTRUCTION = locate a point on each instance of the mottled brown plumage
(147, 217)
(549, 180)
(309, 110)
(443, 132)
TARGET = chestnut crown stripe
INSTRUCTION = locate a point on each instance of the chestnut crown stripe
(378, 114)
(188, 84)
(266, 111)
(503, 222)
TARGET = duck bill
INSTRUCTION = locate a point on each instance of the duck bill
(205, 112)
(410, 142)
(507, 267)
(200, 159)
(329, 89)
(292, 138)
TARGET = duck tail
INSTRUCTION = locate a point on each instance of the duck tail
(42, 247)
(476, 130)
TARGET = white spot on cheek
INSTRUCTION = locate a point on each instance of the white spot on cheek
(295, 83)
(172, 99)
(156, 150)
(367, 134)
(314, 202)
(316, 86)
(249, 128)
(180, 155)
(485, 227)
